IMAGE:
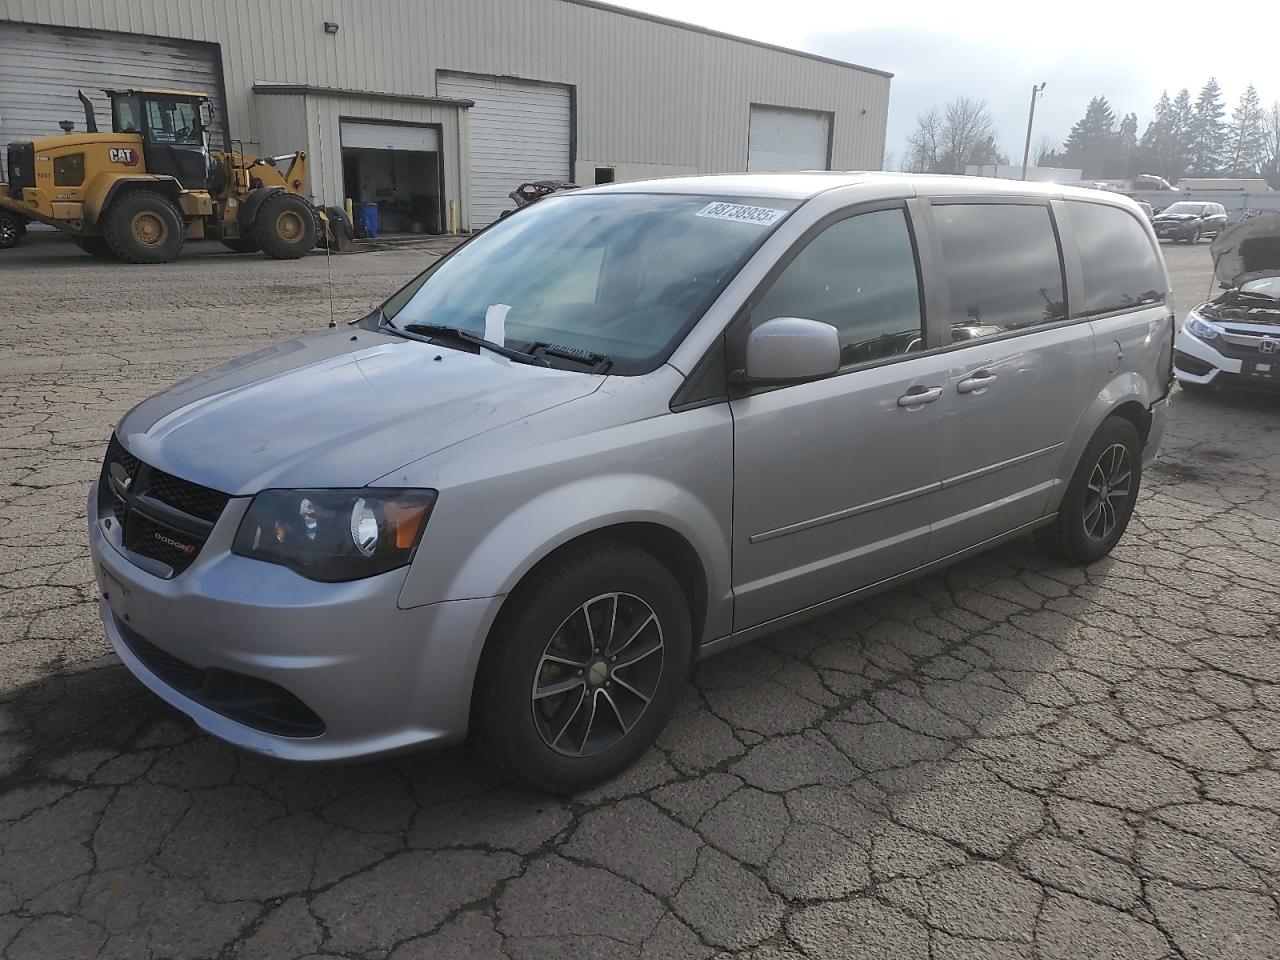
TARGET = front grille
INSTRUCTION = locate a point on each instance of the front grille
(162, 517)
(21, 167)
(255, 702)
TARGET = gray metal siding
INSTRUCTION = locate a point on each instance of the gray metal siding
(647, 92)
(42, 67)
(519, 131)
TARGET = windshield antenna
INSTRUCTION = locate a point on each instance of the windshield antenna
(328, 227)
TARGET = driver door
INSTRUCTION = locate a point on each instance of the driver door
(173, 142)
(836, 479)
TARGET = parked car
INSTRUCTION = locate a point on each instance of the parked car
(1234, 339)
(633, 426)
(1190, 220)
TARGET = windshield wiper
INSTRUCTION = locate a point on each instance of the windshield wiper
(436, 331)
(598, 362)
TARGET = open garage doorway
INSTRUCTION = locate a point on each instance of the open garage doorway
(395, 166)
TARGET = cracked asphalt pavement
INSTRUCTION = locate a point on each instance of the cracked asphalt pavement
(1013, 759)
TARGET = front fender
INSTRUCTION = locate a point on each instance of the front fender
(530, 533)
(252, 204)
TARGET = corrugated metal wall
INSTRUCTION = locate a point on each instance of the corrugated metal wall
(647, 92)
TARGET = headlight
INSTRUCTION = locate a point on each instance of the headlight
(335, 534)
(1201, 329)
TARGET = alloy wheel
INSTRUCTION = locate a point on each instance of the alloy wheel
(8, 232)
(1110, 483)
(597, 675)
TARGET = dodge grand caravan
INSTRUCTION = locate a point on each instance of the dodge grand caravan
(623, 429)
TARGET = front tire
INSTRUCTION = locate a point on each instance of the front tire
(1100, 498)
(143, 227)
(285, 228)
(583, 668)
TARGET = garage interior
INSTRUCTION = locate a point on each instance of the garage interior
(397, 168)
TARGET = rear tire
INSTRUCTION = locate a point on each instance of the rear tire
(95, 247)
(143, 227)
(1100, 498)
(11, 230)
(607, 711)
(244, 244)
(285, 227)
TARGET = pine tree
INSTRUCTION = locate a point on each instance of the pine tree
(1246, 136)
(1156, 151)
(1208, 130)
(1182, 136)
(1091, 145)
(1126, 146)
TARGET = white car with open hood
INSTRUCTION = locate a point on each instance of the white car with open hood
(1234, 339)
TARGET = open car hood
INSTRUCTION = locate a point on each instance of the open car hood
(1248, 250)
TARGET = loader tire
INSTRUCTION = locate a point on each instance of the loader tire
(285, 227)
(143, 227)
(95, 247)
(244, 244)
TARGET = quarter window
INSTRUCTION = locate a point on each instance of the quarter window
(859, 275)
(1002, 268)
(1121, 268)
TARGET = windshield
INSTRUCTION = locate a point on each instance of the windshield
(1183, 206)
(617, 274)
(1263, 287)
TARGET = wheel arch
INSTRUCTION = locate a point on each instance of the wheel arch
(1123, 397)
(106, 189)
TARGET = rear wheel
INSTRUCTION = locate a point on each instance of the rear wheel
(95, 247)
(10, 230)
(143, 227)
(1100, 498)
(583, 668)
(285, 227)
(244, 244)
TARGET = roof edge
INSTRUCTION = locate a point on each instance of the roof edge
(721, 34)
(272, 87)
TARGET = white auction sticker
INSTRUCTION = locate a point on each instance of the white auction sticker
(741, 213)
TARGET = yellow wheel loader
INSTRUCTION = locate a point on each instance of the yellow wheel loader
(139, 192)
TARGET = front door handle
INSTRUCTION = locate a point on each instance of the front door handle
(979, 380)
(919, 395)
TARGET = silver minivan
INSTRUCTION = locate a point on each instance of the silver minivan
(623, 429)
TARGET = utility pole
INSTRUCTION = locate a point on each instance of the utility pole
(1031, 118)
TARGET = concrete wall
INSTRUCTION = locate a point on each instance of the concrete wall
(650, 95)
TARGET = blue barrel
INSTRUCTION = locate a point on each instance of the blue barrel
(366, 219)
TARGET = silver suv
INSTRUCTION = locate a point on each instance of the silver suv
(623, 429)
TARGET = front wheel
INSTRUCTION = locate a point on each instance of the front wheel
(285, 227)
(1100, 498)
(1195, 237)
(583, 668)
(10, 230)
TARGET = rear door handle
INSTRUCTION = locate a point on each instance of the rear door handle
(917, 396)
(976, 381)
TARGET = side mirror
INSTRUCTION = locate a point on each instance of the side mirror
(792, 348)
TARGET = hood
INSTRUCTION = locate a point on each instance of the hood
(1176, 216)
(325, 411)
(1249, 250)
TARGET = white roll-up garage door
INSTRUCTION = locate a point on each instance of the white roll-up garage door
(786, 139)
(519, 131)
(42, 67)
(390, 136)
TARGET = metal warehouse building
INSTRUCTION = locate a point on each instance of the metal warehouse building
(424, 106)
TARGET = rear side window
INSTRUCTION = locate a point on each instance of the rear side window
(1121, 268)
(1002, 267)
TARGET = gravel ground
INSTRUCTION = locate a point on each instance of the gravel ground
(1010, 760)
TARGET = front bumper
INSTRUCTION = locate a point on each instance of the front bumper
(1180, 231)
(380, 679)
(1200, 364)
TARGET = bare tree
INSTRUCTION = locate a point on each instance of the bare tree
(1043, 147)
(946, 140)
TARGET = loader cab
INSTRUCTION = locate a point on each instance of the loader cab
(172, 126)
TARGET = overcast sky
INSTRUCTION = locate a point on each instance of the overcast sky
(995, 50)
